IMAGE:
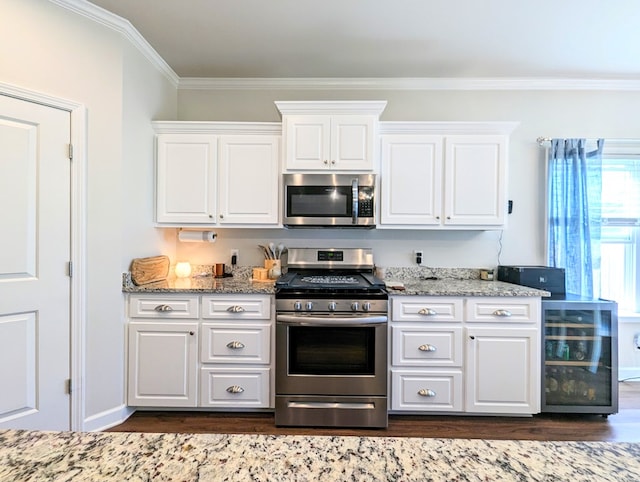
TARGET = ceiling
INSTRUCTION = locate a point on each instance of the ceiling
(390, 38)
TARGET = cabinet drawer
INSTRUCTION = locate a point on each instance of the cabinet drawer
(428, 308)
(236, 307)
(234, 387)
(158, 307)
(511, 310)
(413, 346)
(426, 391)
(235, 343)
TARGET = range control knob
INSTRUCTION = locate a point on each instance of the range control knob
(332, 306)
(309, 305)
(297, 306)
(355, 306)
(366, 306)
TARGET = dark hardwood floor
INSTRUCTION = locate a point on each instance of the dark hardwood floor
(621, 427)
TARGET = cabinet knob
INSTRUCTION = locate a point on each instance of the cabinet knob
(427, 312)
(221, 216)
(210, 215)
(325, 162)
(235, 389)
(192, 333)
(505, 313)
(427, 347)
(235, 345)
(448, 217)
(426, 392)
(437, 217)
(235, 309)
(333, 162)
(163, 308)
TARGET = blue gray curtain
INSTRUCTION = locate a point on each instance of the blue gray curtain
(574, 191)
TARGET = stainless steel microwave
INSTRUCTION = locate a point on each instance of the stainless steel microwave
(329, 200)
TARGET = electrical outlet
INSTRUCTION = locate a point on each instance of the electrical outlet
(418, 256)
(235, 253)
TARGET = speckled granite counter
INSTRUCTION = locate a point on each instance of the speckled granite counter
(239, 283)
(71, 456)
(417, 281)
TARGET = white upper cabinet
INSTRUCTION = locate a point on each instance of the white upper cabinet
(320, 136)
(248, 171)
(217, 174)
(185, 178)
(431, 179)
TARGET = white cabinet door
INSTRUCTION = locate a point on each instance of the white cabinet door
(502, 370)
(320, 142)
(249, 173)
(162, 364)
(308, 142)
(475, 180)
(352, 142)
(411, 180)
(186, 178)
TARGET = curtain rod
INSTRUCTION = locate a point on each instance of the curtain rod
(542, 140)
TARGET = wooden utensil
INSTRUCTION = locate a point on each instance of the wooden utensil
(149, 270)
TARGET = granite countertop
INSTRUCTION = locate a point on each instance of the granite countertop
(457, 287)
(138, 457)
(416, 282)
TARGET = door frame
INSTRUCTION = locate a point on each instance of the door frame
(78, 113)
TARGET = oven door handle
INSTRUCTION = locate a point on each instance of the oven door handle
(331, 320)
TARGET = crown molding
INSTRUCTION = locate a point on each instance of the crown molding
(123, 27)
(426, 83)
(217, 127)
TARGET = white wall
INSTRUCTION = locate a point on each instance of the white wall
(53, 51)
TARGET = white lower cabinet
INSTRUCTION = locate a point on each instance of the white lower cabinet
(200, 351)
(473, 355)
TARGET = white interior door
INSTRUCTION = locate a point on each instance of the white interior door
(35, 295)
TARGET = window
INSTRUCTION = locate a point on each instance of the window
(618, 275)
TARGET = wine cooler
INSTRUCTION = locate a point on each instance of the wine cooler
(580, 356)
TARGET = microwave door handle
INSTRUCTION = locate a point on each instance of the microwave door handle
(354, 201)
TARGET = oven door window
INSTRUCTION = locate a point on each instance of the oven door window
(319, 201)
(320, 350)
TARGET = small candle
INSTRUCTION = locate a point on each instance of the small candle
(183, 269)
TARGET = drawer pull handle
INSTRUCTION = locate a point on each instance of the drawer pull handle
(235, 389)
(163, 308)
(506, 313)
(427, 347)
(235, 309)
(427, 312)
(426, 392)
(235, 345)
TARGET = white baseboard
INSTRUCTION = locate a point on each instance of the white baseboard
(107, 419)
(630, 372)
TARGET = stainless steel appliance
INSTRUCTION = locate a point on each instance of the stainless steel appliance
(331, 340)
(330, 200)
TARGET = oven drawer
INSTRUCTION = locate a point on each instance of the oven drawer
(426, 308)
(236, 307)
(237, 343)
(414, 346)
(426, 391)
(234, 387)
(159, 307)
(503, 309)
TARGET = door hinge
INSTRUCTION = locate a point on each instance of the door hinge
(67, 384)
(71, 152)
(70, 269)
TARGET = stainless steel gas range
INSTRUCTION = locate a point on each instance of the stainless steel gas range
(331, 340)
